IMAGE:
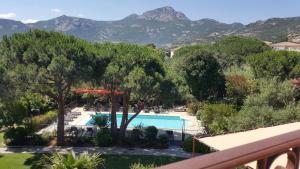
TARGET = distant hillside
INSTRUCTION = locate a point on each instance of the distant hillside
(274, 29)
(163, 27)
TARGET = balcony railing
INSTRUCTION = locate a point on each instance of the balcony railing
(264, 153)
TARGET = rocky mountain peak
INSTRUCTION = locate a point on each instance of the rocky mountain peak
(164, 14)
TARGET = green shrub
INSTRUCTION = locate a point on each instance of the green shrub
(103, 139)
(41, 140)
(101, 121)
(215, 117)
(282, 64)
(199, 147)
(290, 113)
(151, 134)
(252, 117)
(234, 49)
(273, 104)
(237, 88)
(136, 135)
(163, 141)
(42, 120)
(203, 74)
(16, 136)
(36, 103)
(79, 141)
(71, 161)
(272, 93)
(141, 166)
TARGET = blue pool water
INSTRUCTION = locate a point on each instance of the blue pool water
(163, 122)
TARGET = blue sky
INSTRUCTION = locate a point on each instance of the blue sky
(244, 11)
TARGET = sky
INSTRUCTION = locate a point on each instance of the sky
(228, 11)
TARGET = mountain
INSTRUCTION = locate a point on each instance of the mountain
(164, 14)
(8, 27)
(274, 29)
(163, 26)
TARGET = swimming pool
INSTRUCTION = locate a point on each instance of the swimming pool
(163, 122)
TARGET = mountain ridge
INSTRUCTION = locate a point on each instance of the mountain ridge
(164, 27)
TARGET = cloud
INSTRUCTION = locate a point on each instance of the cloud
(56, 10)
(7, 15)
(29, 20)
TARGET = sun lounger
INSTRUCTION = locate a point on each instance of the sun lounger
(180, 109)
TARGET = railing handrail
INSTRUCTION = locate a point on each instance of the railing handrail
(241, 155)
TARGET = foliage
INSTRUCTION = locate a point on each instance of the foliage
(199, 147)
(272, 93)
(71, 161)
(101, 121)
(183, 51)
(252, 117)
(178, 88)
(151, 135)
(139, 72)
(163, 141)
(141, 166)
(49, 63)
(135, 68)
(273, 104)
(203, 74)
(233, 50)
(42, 120)
(194, 107)
(136, 134)
(291, 113)
(84, 141)
(237, 88)
(282, 64)
(215, 117)
(12, 113)
(244, 70)
(42, 139)
(229, 51)
(103, 139)
(36, 103)
(16, 136)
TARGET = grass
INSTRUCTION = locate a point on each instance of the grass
(13, 161)
(1, 139)
(124, 161)
(31, 161)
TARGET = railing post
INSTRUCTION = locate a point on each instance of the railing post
(261, 164)
(297, 151)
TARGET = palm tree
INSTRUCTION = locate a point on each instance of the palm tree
(72, 161)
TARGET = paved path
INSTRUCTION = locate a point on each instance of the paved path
(172, 151)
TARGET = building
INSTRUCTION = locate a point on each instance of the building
(289, 46)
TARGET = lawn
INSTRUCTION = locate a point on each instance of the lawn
(1, 139)
(30, 161)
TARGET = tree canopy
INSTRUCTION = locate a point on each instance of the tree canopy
(48, 63)
(203, 74)
(282, 64)
(138, 71)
